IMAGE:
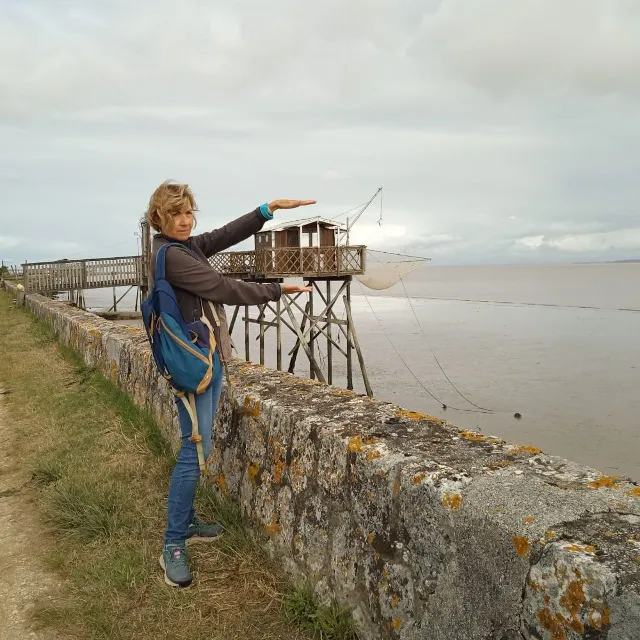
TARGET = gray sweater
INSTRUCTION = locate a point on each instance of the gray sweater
(194, 280)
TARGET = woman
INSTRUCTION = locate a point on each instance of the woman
(171, 212)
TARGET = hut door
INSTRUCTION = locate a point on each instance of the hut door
(329, 257)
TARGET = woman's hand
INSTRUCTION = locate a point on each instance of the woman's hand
(295, 288)
(289, 204)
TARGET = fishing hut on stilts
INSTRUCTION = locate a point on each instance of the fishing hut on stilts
(317, 251)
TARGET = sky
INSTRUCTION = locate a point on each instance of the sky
(501, 132)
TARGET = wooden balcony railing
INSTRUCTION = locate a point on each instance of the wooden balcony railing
(291, 262)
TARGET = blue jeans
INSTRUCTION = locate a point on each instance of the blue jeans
(186, 473)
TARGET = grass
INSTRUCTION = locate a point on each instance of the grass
(329, 622)
(100, 473)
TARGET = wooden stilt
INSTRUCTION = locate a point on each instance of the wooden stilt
(233, 319)
(279, 336)
(262, 329)
(311, 343)
(354, 335)
(305, 345)
(247, 354)
(296, 348)
(347, 300)
(329, 338)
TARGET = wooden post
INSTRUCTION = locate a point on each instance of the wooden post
(304, 343)
(145, 259)
(294, 353)
(247, 354)
(261, 319)
(354, 335)
(347, 301)
(329, 338)
(233, 319)
(312, 349)
(279, 336)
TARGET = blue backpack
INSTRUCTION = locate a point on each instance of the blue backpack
(185, 353)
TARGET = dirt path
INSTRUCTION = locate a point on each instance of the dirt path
(24, 582)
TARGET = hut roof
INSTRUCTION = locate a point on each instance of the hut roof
(327, 223)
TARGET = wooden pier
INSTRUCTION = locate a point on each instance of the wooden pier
(76, 276)
(96, 273)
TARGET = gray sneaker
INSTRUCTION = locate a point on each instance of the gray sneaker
(174, 563)
(199, 530)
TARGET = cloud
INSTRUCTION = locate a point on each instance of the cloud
(622, 239)
(587, 46)
(488, 123)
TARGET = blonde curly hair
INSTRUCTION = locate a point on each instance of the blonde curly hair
(168, 199)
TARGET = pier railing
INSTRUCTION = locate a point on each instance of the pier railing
(96, 273)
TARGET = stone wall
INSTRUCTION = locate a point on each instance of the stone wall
(428, 531)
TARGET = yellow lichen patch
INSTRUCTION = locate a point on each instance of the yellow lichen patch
(521, 545)
(524, 448)
(396, 623)
(221, 481)
(579, 548)
(373, 455)
(414, 415)
(394, 602)
(273, 527)
(452, 501)
(577, 625)
(535, 586)
(342, 392)
(251, 408)
(550, 535)
(554, 624)
(419, 477)
(499, 464)
(634, 492)
(355, 444)
(472, 435)
(252, 472)
(294, 468)
(573, 597)
(411, 415)
(529, 520)
(277, 473)
(371, 537)
(396, 488)
(598, 619)
(113, 372)
(610, 482)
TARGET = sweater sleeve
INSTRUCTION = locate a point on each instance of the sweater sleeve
(231, 234)
(186, 272)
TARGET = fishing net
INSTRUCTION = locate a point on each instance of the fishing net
(383, 270)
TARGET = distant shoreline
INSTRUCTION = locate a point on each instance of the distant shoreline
(611, 262)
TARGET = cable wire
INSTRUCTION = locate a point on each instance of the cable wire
(411, 371)
(444, 373)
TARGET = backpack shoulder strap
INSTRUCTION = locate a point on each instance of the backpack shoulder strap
(161, 258)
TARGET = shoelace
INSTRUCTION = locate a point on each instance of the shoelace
(178, 557)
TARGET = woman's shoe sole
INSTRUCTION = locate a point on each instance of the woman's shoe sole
(197, 539)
